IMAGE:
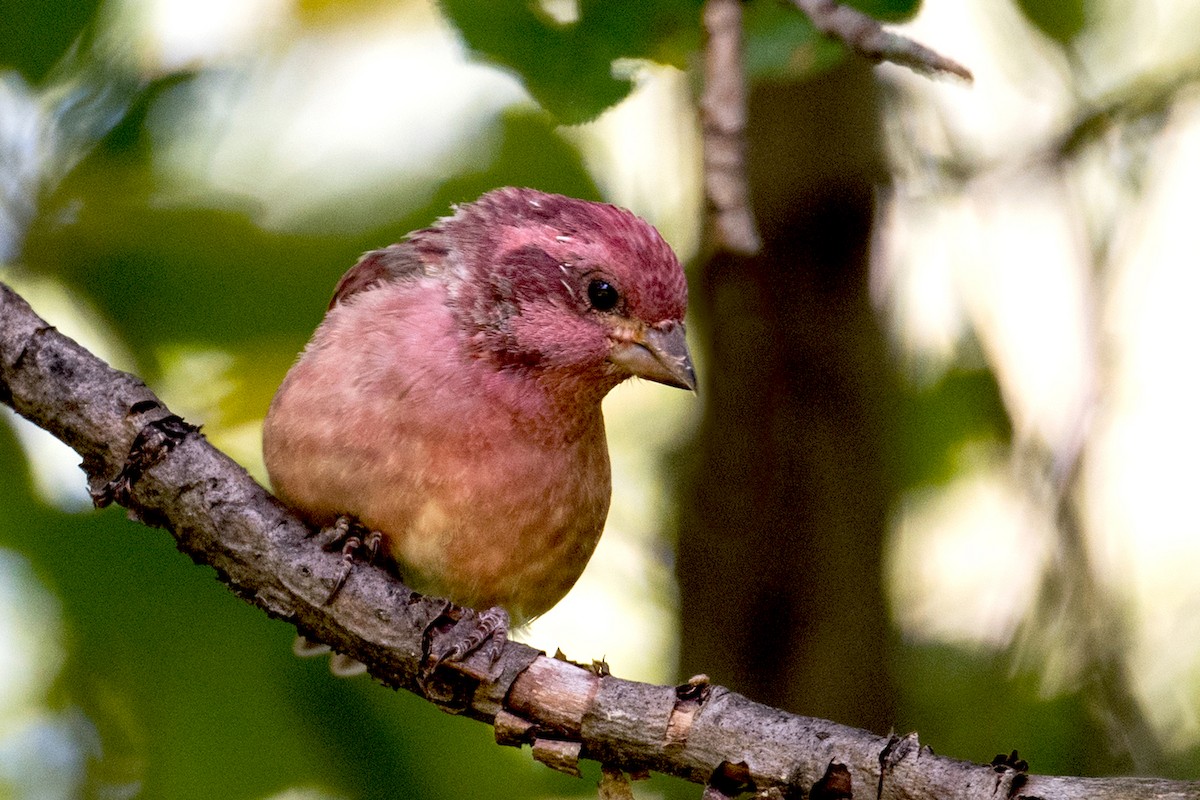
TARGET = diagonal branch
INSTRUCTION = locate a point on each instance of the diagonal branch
(866, 36)
(221, 517)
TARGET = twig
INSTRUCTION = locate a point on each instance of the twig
(866, 36)
(723, 111)
(221, 517)
(723, 104)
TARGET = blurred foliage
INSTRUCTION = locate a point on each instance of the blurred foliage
(887, 10)
(103, 228)
(937, 684)
(935, 421)
(568, 66)
(1061, 20)
(783, 44)
(35, 33)
(779, 42)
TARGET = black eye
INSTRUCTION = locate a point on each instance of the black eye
(603, 295)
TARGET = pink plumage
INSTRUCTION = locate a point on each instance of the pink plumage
(450, 399)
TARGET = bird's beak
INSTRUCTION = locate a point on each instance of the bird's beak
(657, 354)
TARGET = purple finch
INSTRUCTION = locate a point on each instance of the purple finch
(450, 398)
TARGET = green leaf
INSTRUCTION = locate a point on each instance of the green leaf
(887, 10)
(34, 34)
(568, 67)
(1061, 20)
(781, 42)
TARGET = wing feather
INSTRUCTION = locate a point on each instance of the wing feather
(395, 262)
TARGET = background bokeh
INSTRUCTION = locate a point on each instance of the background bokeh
(940, 472)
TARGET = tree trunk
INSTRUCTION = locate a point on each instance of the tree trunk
(783, 521)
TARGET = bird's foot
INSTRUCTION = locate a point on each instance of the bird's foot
(475, 636)
(355, 541)
(153, 442)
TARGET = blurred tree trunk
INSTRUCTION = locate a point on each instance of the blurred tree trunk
(780, 546)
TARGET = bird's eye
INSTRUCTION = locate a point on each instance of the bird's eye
(602, 295)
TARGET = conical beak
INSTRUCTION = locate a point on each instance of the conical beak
(658, 354)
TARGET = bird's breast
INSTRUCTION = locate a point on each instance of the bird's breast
(485, 491)
(508, 522)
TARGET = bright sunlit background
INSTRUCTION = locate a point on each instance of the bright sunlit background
(1078, 279)
(1070, 270)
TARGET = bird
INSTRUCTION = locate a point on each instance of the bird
(449, 402)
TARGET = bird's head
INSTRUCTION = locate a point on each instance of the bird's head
(585, 292)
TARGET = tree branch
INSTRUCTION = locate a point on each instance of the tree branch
(220, 516)
(731, 222)
(723, 114)
(866, 36)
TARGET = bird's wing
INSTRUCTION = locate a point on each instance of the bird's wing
(395, 262)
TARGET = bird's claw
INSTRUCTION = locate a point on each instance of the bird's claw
(153, 442)
(340, 664)
(354, 540)
(477, 635)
